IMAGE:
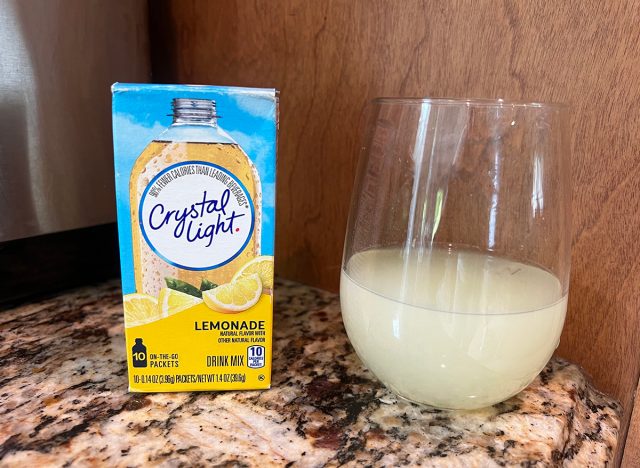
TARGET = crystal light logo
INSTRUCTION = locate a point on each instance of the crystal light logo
(196, 215)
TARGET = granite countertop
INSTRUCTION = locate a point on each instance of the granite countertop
(64, 401)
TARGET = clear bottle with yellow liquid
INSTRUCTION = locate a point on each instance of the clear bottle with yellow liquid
(195, 202)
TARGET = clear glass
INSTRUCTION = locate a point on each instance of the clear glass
(456, 262)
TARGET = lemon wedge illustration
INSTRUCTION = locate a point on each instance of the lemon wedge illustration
(261, 266)
(236, 296)
(140, 309)
(171, 301)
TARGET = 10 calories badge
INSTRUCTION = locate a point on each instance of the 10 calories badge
(255, 357)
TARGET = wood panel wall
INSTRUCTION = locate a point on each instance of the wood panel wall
(631, 457)
(329, 58)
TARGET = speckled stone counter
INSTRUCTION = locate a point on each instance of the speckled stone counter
(64, 401)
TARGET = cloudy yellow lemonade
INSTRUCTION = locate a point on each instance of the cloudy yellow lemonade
(451, 328)
(198, 306)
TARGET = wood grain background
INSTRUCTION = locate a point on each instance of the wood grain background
(329, 58)
(631, 458)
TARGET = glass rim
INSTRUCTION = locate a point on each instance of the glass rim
(471, 102)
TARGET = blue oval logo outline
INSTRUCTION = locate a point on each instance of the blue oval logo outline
(205, 163)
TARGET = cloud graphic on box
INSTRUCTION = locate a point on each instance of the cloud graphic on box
(136, 134)
(261, 108)
(259, 150)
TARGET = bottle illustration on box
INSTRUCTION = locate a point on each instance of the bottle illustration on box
(195, 202)
(139, 354)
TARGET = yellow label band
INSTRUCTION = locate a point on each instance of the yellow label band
(199, 348)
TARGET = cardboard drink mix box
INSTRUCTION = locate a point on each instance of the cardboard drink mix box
(195, 188)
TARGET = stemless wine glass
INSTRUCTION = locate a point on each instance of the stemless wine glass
(456, 262)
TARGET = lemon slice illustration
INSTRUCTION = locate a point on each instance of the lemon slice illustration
(261, 266)
(236, 296)
(140, 309)
(171, 301)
